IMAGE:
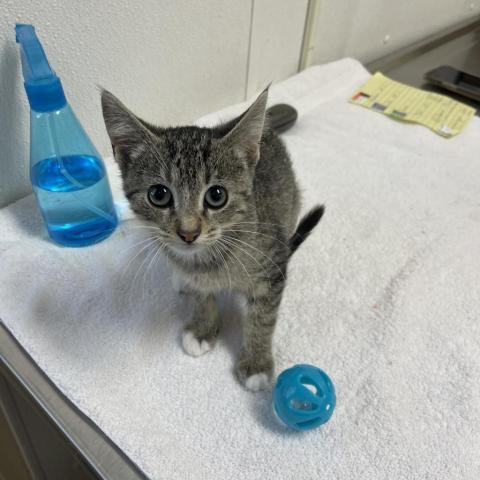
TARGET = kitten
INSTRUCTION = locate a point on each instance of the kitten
(226, 204)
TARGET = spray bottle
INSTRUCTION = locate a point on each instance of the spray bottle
(67, 173)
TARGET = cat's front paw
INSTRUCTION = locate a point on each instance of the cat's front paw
(194, 346)
(257, 382)
(255, 373)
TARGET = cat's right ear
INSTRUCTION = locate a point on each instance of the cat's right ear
(127, 134)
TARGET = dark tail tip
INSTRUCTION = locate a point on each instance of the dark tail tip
(306, 225)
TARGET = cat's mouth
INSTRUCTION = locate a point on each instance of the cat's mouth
(186, 249)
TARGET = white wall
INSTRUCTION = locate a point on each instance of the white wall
(370, 29)
(170, 61)
(276, 41)
(173, 61)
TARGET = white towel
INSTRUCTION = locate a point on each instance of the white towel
(384, 296)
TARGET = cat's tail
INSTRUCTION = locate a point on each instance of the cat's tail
(305, 227)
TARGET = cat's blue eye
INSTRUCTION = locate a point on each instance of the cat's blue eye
(160, 196)
(216, 197)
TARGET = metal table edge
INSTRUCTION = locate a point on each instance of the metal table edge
(56, 420)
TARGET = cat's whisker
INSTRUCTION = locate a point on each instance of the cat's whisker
(150, 240)
(266, 275)
(143, 240)
(162, 247)
(257, 250)
(217, 248)
(139, 269)
(147, 257)
(229, 239)
(144, 277)
(136, 244)
(136, 227)
(150, 263)
(228, 249)
(259, 233)
(262, 224)
(150, 230)
(249, 278)
(223, 254)
(212, 257)
(151, 235)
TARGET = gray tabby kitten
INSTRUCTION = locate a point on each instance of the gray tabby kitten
(226, 204)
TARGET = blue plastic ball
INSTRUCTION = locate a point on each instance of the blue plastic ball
(304, 397)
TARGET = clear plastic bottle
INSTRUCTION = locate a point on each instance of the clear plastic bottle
(66, 171)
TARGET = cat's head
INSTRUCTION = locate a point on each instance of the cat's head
(193, 183)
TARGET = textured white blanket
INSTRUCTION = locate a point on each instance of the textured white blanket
(384, 296)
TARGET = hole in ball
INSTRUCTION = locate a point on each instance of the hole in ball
(310, 384)
(303, 405)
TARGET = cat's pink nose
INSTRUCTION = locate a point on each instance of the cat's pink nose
(188, 236)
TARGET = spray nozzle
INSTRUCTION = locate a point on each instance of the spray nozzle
(44, 89)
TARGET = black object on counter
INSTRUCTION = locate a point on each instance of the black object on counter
(282, 117)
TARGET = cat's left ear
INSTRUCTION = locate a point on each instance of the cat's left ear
(246, 135)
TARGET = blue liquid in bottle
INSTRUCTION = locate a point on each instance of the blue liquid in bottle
(76, 202)
(66, 171)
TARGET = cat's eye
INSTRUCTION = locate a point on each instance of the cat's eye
(160, 196)
(216, 197)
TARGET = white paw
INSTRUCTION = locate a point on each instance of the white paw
(192, 346)
(258, 381)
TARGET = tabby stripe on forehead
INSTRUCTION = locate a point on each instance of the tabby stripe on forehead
(205, 155)
(171, 148)
(206, 176)
(169, 175)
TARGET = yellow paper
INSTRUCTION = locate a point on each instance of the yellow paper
(441, 114)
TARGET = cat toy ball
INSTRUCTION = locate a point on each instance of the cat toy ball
(304, 397)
